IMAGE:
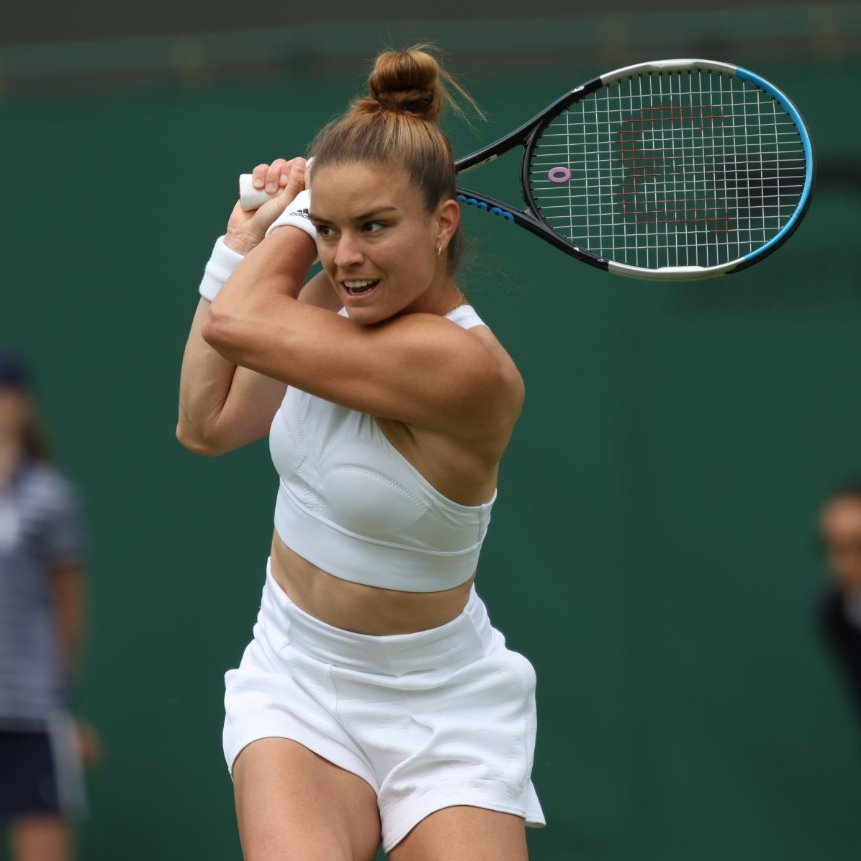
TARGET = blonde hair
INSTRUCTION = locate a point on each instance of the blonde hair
(395, 124)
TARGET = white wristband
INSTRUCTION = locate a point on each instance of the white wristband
(219, 268)
(297, 214)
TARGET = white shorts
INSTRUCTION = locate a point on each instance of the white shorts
(430, 720)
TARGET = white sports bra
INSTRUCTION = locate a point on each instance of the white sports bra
(350, 503)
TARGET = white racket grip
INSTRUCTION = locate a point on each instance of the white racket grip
(249, 196)
(253, 198)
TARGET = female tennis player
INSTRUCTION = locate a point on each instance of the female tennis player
(375, 703)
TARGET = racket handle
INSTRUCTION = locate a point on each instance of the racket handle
(249, 196)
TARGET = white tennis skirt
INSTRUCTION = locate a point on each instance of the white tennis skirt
(430, 720)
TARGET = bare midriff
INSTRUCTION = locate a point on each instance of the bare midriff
(359, 608)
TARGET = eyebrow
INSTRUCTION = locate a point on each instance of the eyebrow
(363, 217)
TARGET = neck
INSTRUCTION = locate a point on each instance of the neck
(441, 299)
(457, 302)
(448, 297)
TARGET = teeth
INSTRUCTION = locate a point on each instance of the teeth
(358, 285)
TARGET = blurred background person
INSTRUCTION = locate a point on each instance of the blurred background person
(840, 526)
(41, 631)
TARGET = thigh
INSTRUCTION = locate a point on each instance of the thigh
(292, 805)
(464, 834)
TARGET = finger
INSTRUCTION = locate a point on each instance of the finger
(259, 175)
(273, 175)
(296, 181)
(284, 174)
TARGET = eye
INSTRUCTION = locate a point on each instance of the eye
(373, 226)
(324, 230)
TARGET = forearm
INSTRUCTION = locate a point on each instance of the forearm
(275, 268)
(222, 406)
(205, 383)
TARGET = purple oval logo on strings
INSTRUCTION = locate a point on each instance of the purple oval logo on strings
(559, 175)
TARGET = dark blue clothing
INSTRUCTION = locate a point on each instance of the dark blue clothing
(844, 634)
(28, 778)
(40, 773)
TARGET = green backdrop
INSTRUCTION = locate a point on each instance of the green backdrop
(652, 550)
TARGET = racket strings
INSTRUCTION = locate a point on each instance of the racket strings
(696, 168)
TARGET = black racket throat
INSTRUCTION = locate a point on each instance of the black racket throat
(524, 136)
(525, 133)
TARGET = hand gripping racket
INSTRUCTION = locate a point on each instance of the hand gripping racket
(668, 170)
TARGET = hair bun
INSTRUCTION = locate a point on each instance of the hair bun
(407, 81)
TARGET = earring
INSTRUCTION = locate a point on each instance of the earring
(438, 250)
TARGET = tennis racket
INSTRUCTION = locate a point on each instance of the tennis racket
(667, 170)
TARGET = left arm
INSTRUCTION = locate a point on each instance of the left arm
(68, 583)
(393, 369)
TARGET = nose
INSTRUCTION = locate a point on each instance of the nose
(348, 252)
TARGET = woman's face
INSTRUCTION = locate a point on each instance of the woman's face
(378, 243)
(15, 412)
(841, 534)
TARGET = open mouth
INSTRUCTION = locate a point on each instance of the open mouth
(358, 288)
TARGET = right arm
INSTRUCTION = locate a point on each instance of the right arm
(221, 406)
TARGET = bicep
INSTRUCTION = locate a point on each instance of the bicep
(419, 369)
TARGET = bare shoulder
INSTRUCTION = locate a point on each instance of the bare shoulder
(507, 376)
(482, 357)
(460, 456)
(480, 381)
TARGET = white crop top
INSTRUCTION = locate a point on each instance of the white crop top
(350, 503)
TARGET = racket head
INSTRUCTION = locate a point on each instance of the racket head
(670, 170)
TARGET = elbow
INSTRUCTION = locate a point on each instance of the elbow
(190, 438)
(216, 328)
(225, 331)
